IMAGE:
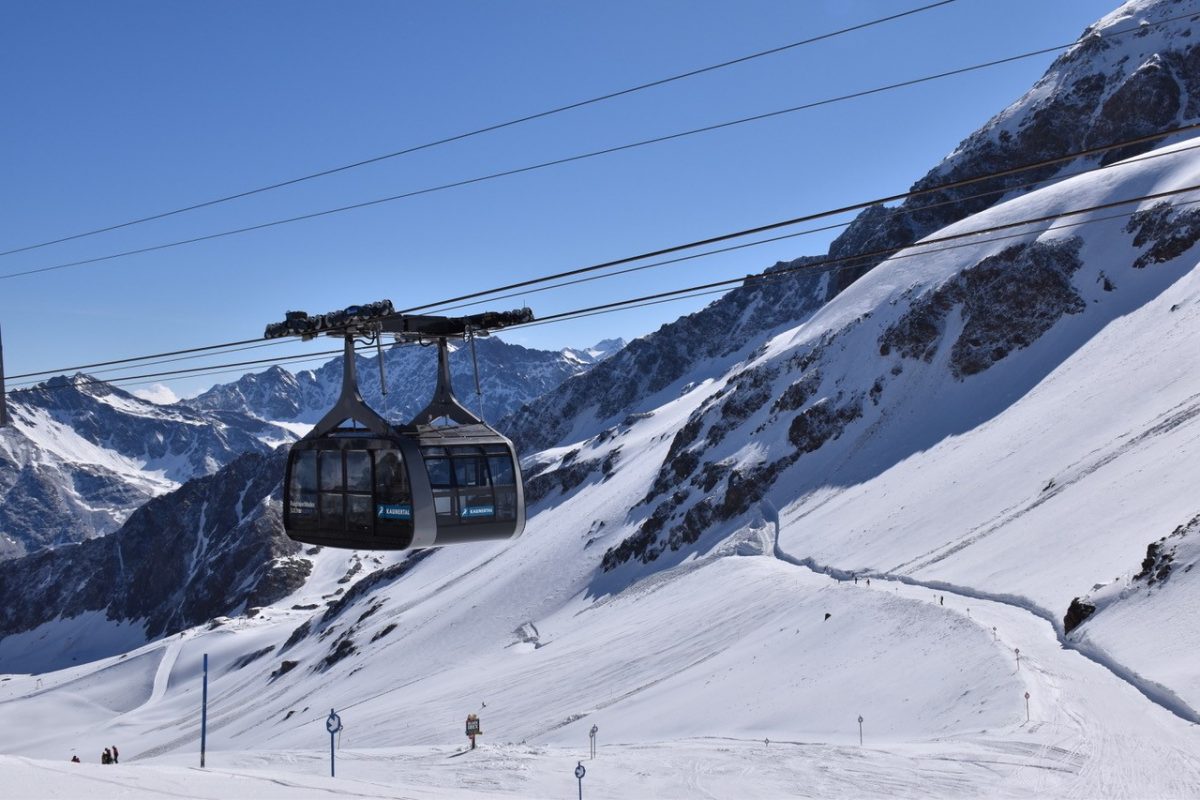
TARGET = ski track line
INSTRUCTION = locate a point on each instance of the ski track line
(1183, 413)
(1154, 692)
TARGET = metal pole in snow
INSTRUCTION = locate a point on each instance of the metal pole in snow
(333, 724)
(579, 773)
(860, 722)
(204, 713)
(1027, 706)
(1017, 650)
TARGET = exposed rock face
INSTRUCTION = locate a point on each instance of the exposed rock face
(213, 547)
(1111, 87)
(1007, 302)
(1169, 231)
(1160, 555)
(1146, 101)
(1176, 553)
(699, 486)
(1077, 614)
(629, 381)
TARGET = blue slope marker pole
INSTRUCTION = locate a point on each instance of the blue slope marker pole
(334, 725)
(204, 712)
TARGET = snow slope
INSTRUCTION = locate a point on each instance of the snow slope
(985, 429)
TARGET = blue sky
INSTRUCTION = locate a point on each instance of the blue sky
(118, 110)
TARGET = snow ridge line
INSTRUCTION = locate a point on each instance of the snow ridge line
(1152, 690)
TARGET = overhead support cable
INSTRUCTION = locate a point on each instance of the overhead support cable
(918, 249)
(806, 232)
(487, 129)
(943, 187)
(488, 293)
(561, 161)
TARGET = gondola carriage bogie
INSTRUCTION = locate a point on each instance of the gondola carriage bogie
(373, 485)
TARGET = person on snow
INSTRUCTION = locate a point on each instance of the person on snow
(75, 759)
(115, 754)
(106, 757)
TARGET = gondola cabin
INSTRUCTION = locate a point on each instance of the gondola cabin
(432, 488)
(357, 481)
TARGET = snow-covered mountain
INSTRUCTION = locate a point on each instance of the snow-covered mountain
(1106, 90)
(213, 547)
(887, 509)
(81, 455)
(509, 376)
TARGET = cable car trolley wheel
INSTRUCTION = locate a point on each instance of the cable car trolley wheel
(357, 481)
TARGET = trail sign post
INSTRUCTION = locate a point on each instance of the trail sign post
(579, 773)
(1017, 650)
(1027, 706)
(860, 722)
(592, 735)
(333, 724)
(473, 728)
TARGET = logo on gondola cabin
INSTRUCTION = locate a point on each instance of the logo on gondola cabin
(394, 511)
(303, 507)
(478, 511)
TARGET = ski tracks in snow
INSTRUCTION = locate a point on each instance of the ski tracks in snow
(1182, 414)
(1093, 732)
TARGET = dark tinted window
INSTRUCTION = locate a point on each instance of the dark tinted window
(391, 478)
(502, 470)
(358, 471)
(302, 500)
(439, 472)
(470, 471)
(331, 469)
(331, 510)
(304, 471)
(358, 512)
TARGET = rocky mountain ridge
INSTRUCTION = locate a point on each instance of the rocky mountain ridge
(213, 547)
(80, 455)
(1140, 57)
(509, 376)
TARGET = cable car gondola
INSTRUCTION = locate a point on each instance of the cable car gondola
(357, 481)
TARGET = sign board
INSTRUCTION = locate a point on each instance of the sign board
(393, 511)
